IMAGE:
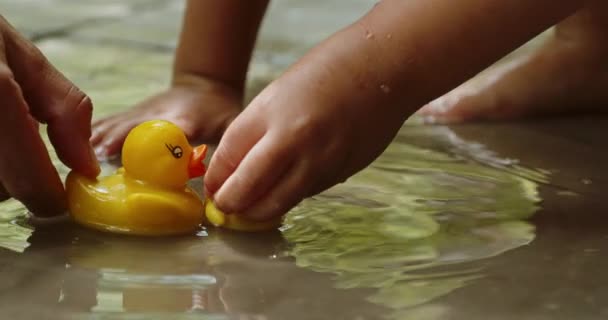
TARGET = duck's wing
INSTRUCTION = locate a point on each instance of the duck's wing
(79, 187)
(157, 208)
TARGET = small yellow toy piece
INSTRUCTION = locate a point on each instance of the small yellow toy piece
(217, 218)
(148, 195)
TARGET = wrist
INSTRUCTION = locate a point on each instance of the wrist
(206, 84)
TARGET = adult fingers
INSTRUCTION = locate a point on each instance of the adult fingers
(112, 142)
(53, 100)
(26, 170)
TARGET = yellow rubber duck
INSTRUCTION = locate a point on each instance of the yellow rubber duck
(148, 195)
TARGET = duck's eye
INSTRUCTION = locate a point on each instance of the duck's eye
(176, 151)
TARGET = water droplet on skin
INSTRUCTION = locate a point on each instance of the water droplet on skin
(385, 88)
(369, 34)
(389, 36)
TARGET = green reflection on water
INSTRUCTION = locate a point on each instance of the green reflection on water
(13, 235)
(413, 212)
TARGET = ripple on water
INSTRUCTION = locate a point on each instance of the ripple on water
(408, 223)
(14, 232)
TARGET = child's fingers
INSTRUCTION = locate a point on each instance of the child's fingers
(284, 195)
(26, 170)
(56, 101)
(240, 137)
(113, 140)
(263, 165)
(100, 122)
(100, 128)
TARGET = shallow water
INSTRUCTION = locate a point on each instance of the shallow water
(420, 223)
(503, 221)
(439, 227)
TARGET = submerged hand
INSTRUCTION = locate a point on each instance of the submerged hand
(34, 92)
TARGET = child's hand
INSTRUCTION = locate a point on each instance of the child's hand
(33, 91)
(303, 134)
(202, 108)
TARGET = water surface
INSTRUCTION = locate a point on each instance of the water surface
(414, 226)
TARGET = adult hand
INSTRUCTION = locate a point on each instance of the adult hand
(32, 91)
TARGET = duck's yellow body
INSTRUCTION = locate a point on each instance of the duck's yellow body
(148, 196)
(118, 203)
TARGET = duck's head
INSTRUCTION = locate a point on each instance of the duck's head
(158, 152)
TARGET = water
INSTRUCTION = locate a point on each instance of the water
(501, 221)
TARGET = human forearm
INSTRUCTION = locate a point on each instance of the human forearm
(408, 52)
(217, 40)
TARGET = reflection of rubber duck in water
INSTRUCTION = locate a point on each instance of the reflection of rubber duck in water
(148, 196)
(143, 276)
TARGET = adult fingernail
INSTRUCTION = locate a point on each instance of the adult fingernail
(93, 159)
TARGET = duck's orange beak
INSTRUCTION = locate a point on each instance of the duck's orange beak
(196, 168)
